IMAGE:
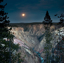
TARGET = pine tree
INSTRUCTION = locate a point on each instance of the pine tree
(48, 37)
(59, 47)
(61, 18)
(61, 22)
(47, 19)
(7, 47)
(48, 44)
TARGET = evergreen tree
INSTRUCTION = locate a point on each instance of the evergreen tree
(47, 19)
(48, 44)
(61, 22)
(61, 18)
(59, 47)
(7, 47)
(48, 37)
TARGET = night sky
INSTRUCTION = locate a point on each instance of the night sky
(34, 10)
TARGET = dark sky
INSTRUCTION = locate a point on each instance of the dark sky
(35, 10)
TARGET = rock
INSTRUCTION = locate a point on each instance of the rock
(29, 34)
(29, 57)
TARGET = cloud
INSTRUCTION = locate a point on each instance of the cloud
(17, 4)
(19, 7)
(45, 4)
(63, 6)
(35, 5)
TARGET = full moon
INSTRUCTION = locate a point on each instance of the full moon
(23, 14)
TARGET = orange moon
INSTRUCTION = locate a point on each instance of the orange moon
(23, 14)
